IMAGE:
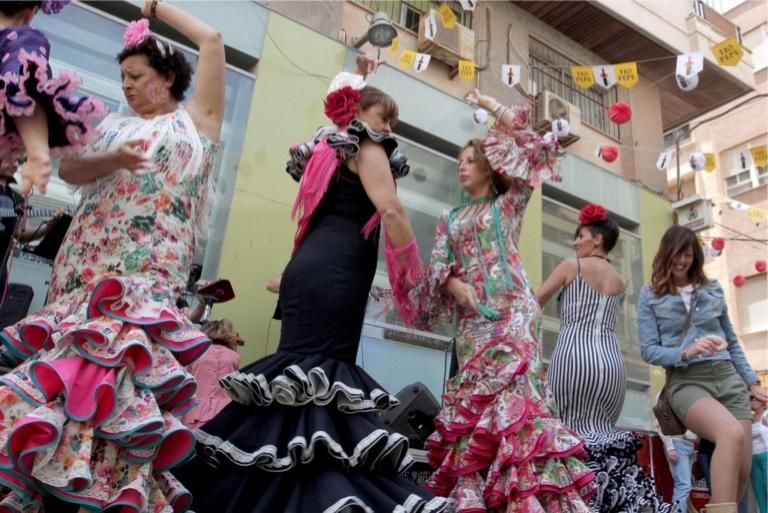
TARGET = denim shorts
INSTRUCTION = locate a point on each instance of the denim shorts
(717, 379)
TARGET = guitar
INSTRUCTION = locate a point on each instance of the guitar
(34, 212)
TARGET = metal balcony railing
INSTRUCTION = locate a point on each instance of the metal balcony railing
(704, 10)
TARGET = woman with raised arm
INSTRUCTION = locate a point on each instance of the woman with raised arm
(302, 434)
(90, 417)
(497, 445)
(586, 371)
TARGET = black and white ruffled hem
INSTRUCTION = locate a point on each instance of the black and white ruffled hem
(413, 504)
(622, 484)
(294, 387)
(380, 450)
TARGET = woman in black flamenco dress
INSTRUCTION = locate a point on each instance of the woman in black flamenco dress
(301, 434)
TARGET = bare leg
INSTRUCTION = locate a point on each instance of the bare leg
(34, 134)
(711, 420)
(746, 458)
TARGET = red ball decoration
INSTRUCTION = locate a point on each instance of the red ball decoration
(620, 113)
(761, 266)
(609, 153)
(718, 243)
(739, 280)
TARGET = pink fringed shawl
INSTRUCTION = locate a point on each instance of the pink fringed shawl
(321, 167)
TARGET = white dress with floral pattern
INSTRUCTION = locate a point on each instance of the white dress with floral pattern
(90, 416)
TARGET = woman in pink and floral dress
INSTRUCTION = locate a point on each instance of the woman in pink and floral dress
(497, 445)
(90, 417)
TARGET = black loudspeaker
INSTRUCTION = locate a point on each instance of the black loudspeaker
(50, 244)
(18, 297)
(414, 416)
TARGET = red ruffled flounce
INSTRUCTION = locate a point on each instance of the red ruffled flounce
(497, 447)
(90, 416)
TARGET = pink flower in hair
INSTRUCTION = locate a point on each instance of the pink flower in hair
(136, 33)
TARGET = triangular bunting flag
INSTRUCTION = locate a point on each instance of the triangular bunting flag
(759, 155)
(664, 159)
(467, 70)
(605, 76)
(393, 47)
(422, 62)
(742, 160)
(626, 74)
(728, 52)
(430, 25)
(407, 58)
(583, 76)
(447, 16)
(709, 162)
(689, 64)
(510, 74)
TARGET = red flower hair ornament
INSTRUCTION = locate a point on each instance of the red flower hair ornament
(592, 213)
(343, 98)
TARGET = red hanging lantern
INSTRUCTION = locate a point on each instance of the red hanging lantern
(718, 243)
(739, 280)
(620, 113)
(608, 153)
(761, 266)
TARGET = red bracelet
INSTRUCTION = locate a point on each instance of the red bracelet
(153, 9)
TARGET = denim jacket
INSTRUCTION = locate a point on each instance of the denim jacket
(661, 320)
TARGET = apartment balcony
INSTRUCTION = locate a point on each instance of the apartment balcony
(654, 31)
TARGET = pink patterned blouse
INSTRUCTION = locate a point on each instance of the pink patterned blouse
(216, 362)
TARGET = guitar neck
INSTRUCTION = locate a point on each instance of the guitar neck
(33, 212)
(44, 212)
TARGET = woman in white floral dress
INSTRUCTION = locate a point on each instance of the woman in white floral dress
(90, 417)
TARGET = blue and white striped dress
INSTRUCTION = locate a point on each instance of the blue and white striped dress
(588, 383)
(587, 368)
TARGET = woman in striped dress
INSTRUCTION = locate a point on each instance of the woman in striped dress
(586, 373)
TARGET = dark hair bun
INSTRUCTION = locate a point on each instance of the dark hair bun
(166, 61)
(607, 227)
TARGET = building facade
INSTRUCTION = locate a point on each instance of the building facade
(281, 58)
(729, 132)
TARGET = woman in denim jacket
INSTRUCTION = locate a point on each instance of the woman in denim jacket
(711, 382)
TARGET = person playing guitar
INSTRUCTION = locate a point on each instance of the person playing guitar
(13, 221)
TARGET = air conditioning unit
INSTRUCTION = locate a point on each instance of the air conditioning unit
(448, 45)
(549, 108)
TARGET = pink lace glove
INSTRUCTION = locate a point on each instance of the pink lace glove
(405, 271)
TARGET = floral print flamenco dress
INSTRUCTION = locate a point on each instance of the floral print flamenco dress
(90, 416)
(498, 446)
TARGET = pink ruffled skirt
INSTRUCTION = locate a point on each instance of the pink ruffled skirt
(90, 417)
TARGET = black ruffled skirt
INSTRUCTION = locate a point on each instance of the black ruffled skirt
(302, 436)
